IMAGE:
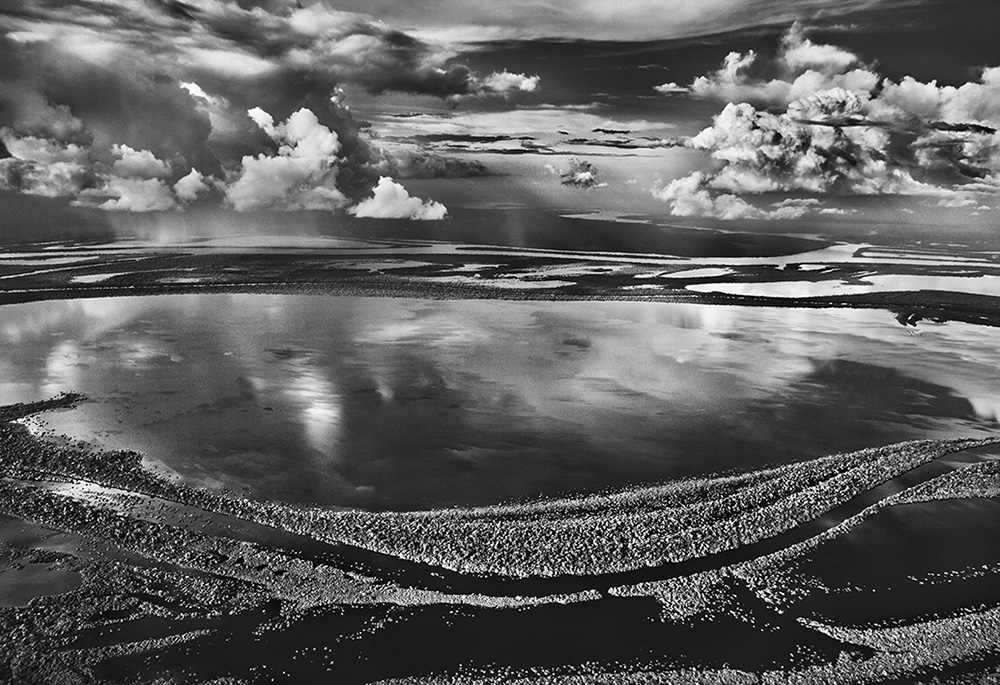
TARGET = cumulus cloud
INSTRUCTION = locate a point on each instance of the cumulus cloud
(688, 196)
(504, 82)
(763, 152)
(189, 187)
(301, 174)
(97, 94)
(129, 195)
(303, 166)
(580, 174)
(42, 166)
(823, 123)
(390, 200)
(134, 181)
(670, 88)
(793, 208)
(766, 152)
(42, 150)
(45, 163)
(800, 69)
(47, 180)
(55, 121)
(139, 164)
(974, 102)
(800, 53)
(803, 68)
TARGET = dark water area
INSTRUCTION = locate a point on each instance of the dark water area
(411, 404)
(364, 644)
(503, 227)
(23, 578)
(529, 228)
(909, 562)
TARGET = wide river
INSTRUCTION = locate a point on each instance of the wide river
(406, 403)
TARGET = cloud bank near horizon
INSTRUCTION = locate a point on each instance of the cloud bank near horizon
(816, 119)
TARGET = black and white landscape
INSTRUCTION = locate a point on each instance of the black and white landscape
(454, 341)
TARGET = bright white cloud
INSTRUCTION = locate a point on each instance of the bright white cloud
(688, 196)
(802, 68)
(139, 164)
(47, 180)
(42, 166)
(838, 133)
(800, 53)
(504, 82)
(135, 183)
(973, 102)
(130, 195)
(132, 181)
(670, 88)
(189, 187)
(302, 173)
(195, 90)
(42, 150)
(390, 200)
(264, 121)
(767, 152)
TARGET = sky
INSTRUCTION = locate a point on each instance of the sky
(266, 112)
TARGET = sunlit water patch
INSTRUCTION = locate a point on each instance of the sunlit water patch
(973, 284)
(397, 404)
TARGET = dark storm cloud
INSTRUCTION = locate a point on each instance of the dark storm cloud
(84, 83)
(177, 9)
(623, 143)
(244, 42)
(464, 138)
(420, 164)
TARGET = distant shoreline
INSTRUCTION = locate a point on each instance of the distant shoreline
(908, 306)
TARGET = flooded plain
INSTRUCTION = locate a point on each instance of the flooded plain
(365, 444)
(415, 404)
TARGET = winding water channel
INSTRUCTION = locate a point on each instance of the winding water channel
(422, 576)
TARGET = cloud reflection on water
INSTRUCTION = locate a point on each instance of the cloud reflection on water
(412, 403)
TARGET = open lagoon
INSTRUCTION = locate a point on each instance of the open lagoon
(414, 404)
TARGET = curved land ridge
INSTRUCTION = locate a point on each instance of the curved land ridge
(151, 578)
(549, 547)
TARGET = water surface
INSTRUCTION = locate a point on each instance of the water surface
(398, 403)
